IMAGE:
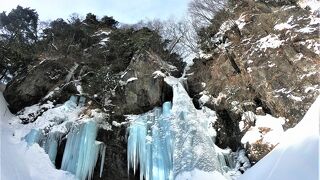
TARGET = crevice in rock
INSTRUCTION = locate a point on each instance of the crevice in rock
(196, 103)
(260, 103)
(60, 152)
(231, 58)
(229, 134)
(167, 93)
(115, 164)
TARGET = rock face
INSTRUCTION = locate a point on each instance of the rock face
(142, 85)
(139, 88)
(28, 89)
(115, 165)
(266, 61)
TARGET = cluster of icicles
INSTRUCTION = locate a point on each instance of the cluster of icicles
(174, 139)
(81, 151)
(161, 143)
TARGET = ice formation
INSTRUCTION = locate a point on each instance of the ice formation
(175, 139)
(82, 150)
(150, 144)
(33, 137)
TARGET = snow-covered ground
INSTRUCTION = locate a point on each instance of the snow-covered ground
(267, 128)
(19, 161)
(297, 155)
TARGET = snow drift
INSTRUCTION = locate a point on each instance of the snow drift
(297, 155)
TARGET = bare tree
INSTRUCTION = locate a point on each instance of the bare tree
(202, 11)
(183, 37)
(180, 35)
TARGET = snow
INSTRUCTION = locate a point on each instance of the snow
(295, 98)
(283, 26)
(157, 74)
(116, 124)
(313, 45)
(105, 39)
(204, 98)
(79, 88)
(20, 161)
(132, 79)
(314, 20)
(270, 41)
(242, 161)
(308, 75)
(218, 99)
(204, 55)
(312, 89)
(297, 155)
(249, 69)
(241, 22)
(288, 93)
(255, 133)
(270, 64)
(35, 110)
(199, 174)
(313, 4)
(307, 30)
(21, 143)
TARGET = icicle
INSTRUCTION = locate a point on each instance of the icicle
(137, 145)
(102, 155)
(51, 145)
(82, 151)
(71, 104)
(150, 144)
(82, 101)
(177, 139)
(33, 136)
(225, 159)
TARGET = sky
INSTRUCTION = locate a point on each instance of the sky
(125, 11)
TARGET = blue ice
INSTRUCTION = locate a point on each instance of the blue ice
(173, 139)
(150, 144)
(82, 151)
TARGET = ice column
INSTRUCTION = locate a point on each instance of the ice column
(82, 151)
(150, 144)
(34, 136)
(51, 145)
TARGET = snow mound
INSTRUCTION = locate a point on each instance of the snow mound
(297, 155)
(19, 161)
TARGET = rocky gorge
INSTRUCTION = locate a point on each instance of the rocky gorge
(264, 61)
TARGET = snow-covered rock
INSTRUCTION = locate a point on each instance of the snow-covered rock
(297, 155)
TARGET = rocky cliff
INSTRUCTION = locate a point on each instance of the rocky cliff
(265, 60)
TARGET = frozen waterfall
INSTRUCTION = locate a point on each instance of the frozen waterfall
(82, 150)
(174, 139)
(150, 144)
